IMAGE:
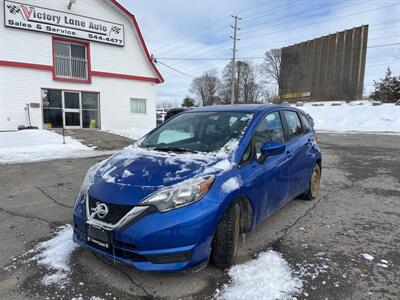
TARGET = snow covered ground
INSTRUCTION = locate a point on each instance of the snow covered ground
(358, 116)
(332, 116)
(268, 277)
(131, 133)
(38, 145)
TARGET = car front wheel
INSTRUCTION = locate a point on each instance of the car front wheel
(226, 240)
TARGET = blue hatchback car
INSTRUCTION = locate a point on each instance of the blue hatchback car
(183, 194)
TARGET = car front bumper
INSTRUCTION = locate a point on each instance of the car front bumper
(170, 241)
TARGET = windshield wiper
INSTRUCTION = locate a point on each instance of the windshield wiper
(174, 149)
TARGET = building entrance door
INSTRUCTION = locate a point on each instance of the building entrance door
(72, 116)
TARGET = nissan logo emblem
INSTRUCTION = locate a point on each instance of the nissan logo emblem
(101, 210)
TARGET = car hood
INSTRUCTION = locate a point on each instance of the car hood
(134, 173)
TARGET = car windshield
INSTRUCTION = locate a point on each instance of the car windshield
(198, 132)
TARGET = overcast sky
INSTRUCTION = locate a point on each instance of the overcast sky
(201, 29)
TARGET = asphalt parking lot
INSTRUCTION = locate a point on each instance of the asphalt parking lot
(357, 211)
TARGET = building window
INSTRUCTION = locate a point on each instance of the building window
(90, 110)
(138, 106)
(52, 108)
(70, 109)
(70, 60)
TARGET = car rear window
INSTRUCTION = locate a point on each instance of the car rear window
(293, 123)
(306, 123)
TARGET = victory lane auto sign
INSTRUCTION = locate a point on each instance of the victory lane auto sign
(36, 18)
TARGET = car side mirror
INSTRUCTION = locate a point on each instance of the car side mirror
(270, 149)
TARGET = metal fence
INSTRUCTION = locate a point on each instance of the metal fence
(71, 67)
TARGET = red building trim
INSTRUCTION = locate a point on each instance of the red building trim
(88, 58)
(141, 39)
(15, 64)
(124, 76)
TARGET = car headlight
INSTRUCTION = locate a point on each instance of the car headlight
(181, 194)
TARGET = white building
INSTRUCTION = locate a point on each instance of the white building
(81, 63)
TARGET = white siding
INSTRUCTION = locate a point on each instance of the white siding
(36, 47)
(20, 86)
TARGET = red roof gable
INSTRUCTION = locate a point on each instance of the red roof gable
(142, 42)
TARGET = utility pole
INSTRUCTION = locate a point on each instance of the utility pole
(234, 38)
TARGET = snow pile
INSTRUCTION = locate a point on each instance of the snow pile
(269, 277)
(131, 133)
(37, 145)
(367, 256)
(356, 116)
(230, 185)
(384, 263)
(54, 255)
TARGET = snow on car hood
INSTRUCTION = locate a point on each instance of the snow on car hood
(133, 173)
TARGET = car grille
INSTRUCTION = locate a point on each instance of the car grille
(115, 211)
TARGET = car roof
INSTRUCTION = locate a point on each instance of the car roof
(250, 108)
(177, 109)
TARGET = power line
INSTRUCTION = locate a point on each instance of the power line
(323, 21)
(384, 37)
(183, 41)
(301, 39)
(261, 57)
(171, 68)
(304, 12)
(287, 41)
(218, 50)
(305, 54)
(203, 66)
(384, 63)
(187, 60)
(196, 47)
(268, 13)
(180, 41)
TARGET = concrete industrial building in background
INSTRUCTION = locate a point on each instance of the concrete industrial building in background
(326, 68)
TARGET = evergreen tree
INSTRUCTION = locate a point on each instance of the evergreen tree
(387, 89)
(188, 102)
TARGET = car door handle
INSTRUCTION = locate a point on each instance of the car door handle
(289, 154)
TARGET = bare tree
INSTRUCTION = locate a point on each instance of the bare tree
(248, 88)
(271, 68)
(165, 104)
(205, 88)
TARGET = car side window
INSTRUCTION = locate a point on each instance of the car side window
(306, 123)
(269, 129)
(293, 123)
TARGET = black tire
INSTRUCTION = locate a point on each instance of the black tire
(227, 238)
(313, 188)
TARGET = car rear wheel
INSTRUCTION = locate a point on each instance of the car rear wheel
(226, 240)
(314, 184)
